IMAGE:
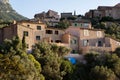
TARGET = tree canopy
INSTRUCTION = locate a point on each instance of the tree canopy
(16, 64)
(47, 62)
(51, 58)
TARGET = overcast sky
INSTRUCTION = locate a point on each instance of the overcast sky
(29, 7)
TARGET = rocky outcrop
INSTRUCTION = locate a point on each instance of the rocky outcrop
(4, 1)
(7, 13)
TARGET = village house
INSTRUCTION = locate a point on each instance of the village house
(105, 11)
(34, 31)
(79, 39)
(66, 15)
(47, 15)
(81, 23)
(50, 18)
(85, 40)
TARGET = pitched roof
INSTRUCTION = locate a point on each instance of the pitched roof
(117, 5)
(104, 7)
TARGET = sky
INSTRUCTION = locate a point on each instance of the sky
(29, 8)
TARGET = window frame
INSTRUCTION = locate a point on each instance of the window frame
(73, 41)
(49, 31)
(56, 32)
(25, 33)
(37, 38)
(39, 28)
(99, 34)
(85, 42)
(86, 32)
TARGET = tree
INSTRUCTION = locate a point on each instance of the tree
(111, 30)
(19, 67)
(63, 24)
(113, 62)
(44, 48)
(66, 69)
(117, 51)
(102, 73)
(16, 64)
(80, 72)
(50, 56)
(60, 50)
(107, 18)
(105, 61)
(11, 46)
(24, 45)
(100, 25)
(91, 59)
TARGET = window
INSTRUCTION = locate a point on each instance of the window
(86, 33)
(85, 43)
(86, 25)
(28, 25)
(37, 37)
(73, 41)
(51, 40)
(57, 41)
(99, 43)
(38, 27)
(75, 24)
(56, 32)
(25, 33)
(99, 34)
(49, 32)
(81, 24)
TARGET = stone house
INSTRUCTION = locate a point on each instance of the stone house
(81, 23)
(51, 18)
(80, 40)
(103, 11)
(85, 40)
(66, 15)
(47, 15)
(33, 31)
(54, 34)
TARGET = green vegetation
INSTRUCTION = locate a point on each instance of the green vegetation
(47, 63)
(112, 30)
(8, 14)
(102, 73)
(54, 67)
(69, 18)
(98, 67)
(3, 24)
(117, 51)
(110, 25)
(16, 64)
(64, 24)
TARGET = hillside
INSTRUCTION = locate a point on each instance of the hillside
(7, 13)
